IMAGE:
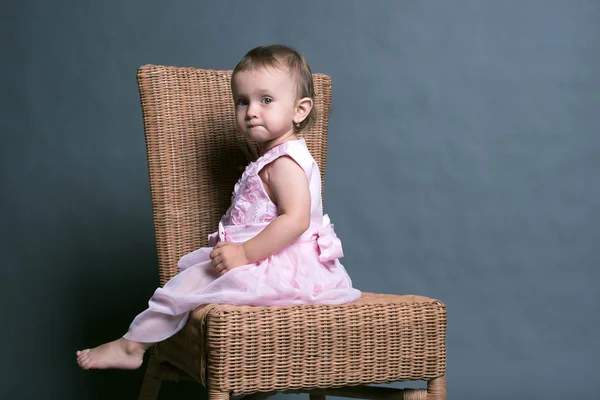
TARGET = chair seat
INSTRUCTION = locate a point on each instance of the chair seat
(379, 338)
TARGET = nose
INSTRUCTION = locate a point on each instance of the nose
(251, 111)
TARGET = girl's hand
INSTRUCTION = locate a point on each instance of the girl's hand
(227, 256)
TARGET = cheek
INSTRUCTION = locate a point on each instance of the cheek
(281, 115)
(239, 117)
(239, 124)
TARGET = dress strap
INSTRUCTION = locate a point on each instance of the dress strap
(296, 149)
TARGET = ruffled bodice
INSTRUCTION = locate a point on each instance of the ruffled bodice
(250, 203)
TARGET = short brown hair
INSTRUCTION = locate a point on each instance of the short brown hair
(275, 56)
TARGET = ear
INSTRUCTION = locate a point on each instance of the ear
(303, 107)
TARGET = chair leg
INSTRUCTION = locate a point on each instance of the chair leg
(217, 395)
(151, 383)
(436, 388)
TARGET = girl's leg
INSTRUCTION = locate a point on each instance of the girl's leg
(158, 320)
(119, 354)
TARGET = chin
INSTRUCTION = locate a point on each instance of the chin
(254, 138)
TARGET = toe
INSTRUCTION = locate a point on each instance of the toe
(83, 358)
(86, 363)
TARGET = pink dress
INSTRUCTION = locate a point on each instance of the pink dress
(307, 271)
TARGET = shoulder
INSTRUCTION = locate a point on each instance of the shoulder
(282, 166)
(298, 151)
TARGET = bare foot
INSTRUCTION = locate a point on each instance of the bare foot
(120, 354)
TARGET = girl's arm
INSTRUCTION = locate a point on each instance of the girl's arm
(287, 185)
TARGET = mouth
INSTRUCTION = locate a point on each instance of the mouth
(253, 123)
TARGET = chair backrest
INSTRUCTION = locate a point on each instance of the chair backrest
(194, 154)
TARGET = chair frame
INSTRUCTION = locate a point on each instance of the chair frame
(193, 158)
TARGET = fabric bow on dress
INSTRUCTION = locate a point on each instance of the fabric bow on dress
(330, 246)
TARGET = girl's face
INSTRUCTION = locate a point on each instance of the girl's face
(265, 104)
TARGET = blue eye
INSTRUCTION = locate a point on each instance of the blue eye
(242, 103)
(267, 100)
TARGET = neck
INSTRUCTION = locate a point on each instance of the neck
(266, 146)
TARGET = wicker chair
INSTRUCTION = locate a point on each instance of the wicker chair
(194, 158)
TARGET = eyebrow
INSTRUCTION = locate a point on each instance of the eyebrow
(261, 92)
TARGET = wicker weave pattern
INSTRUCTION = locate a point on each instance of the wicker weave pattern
(380, 338)
(194, 154)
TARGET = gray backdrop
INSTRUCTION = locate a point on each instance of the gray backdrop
(463, 165)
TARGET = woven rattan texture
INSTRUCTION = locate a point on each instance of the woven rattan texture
(380, 338)
(194, 154)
